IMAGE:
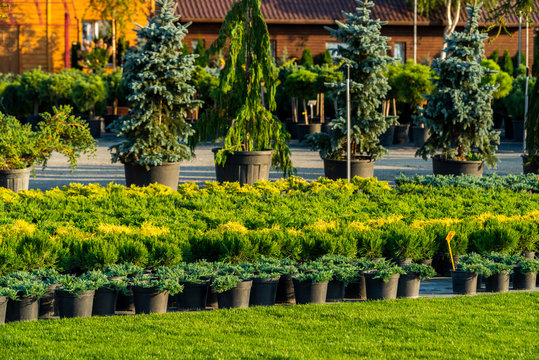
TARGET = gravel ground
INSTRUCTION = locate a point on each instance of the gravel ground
(400, 159)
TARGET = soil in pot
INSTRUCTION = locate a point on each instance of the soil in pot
(524, 281)
(464, 282)
(245, 167)
(104, 302)
(47, 304)
(409, 286)
(166, 174)
(309, 293)
(73, 305)
(401, 134)
(15, 180)
(425, 262)
(193, 296)
(3, 308)
(263, 292)
(386, 139)
(335, 292)
(377, 289)
(497, 283)
(150, 300)
(25, 309)
(356, 290)
(285, 290)
(302, 130)
(359, 166)
(454, 167)
(237, 297)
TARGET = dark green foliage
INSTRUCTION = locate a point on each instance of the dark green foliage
(30, 82)
(458, 113)
(20, 147)
(89, 95)
(502, 80)
(413, 83)
(535, 66)
(245, 123)
(161, 94)
(367, 55)
(326, 58)
(507, 63)
(495, 56)
(307, 58)
(424, 271)
(206, 85)
(301, 84)
(532, 125)
(200, 51)
(515, 100)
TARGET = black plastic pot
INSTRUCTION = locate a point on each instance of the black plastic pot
(25, 309)
(104, 302)
(508, 126)
(308, 293)
(150, 300)
(531, 168)
(302, 130)
(193, 296)
(421, 135)
(245, 167)
(497, 283)
(336, 169)
(386, 139)
(401, 261)
(166, 174)
(290, 126)
(335, 292)
(425, 262)
(518, 130)
(356, 290)
(15, 180)
(454, 167)
(409, 285)
(95, 124)
(326, 127)
(47, 304)
(3, 307)
(377, 289)
(237, 297)
(285, 290)
(401, 134)
(73, 305)
(263, 292)
(109, 119)
(126, 302)
(524, 281)
(464, 282)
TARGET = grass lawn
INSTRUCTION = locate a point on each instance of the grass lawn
(502, 326)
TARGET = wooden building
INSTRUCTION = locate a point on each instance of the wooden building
(40, 32)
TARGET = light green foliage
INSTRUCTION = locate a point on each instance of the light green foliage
(315, 272)
(77, 285)
(206, 84)
(245, 123)
(326, 58)
(367, 55)
(89, 95)
(307, 58)
(525, 266)
(158, 79)
(124, 269)
(20, 147)
(382, 270)
(301, 83)
(57, 89)
(413, 83)
(326, 75)
(458, 113)
(23, 284)
(507, 63)
(423, 271)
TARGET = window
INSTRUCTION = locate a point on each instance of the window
(399, 51)
(95, 29)
(333, 48)
(273, 47)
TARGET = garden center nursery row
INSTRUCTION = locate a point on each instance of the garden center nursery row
(45, 293)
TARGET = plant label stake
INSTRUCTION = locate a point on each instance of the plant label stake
(348, 111)
(448, 239)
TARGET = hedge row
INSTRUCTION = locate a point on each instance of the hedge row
(81, 228)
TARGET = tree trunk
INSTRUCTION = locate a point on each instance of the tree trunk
(452, 22)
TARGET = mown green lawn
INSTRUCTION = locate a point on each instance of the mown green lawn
(502, 326)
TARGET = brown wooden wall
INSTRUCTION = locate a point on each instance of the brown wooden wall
(296, 37)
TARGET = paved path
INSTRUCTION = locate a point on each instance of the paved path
(400, 159)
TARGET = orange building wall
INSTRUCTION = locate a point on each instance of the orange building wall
(33, 32)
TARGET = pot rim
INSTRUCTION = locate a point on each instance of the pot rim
(16, 171)
(254, 152)
(439, 158)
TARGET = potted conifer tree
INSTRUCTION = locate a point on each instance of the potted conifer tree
(254, 139)
(458, 112)
(366, 52)
(158, 76)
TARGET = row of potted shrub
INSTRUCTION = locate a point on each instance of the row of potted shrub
(494, 270)
(196, 286)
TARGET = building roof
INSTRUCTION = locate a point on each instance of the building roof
(395, 12)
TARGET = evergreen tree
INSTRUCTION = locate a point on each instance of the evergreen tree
(158, 77)
(326, 58)
(507, 63)
(532, 126)
(367, 55)
(458, 112)
(200, 50)
(307, 58)
(239, 115)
